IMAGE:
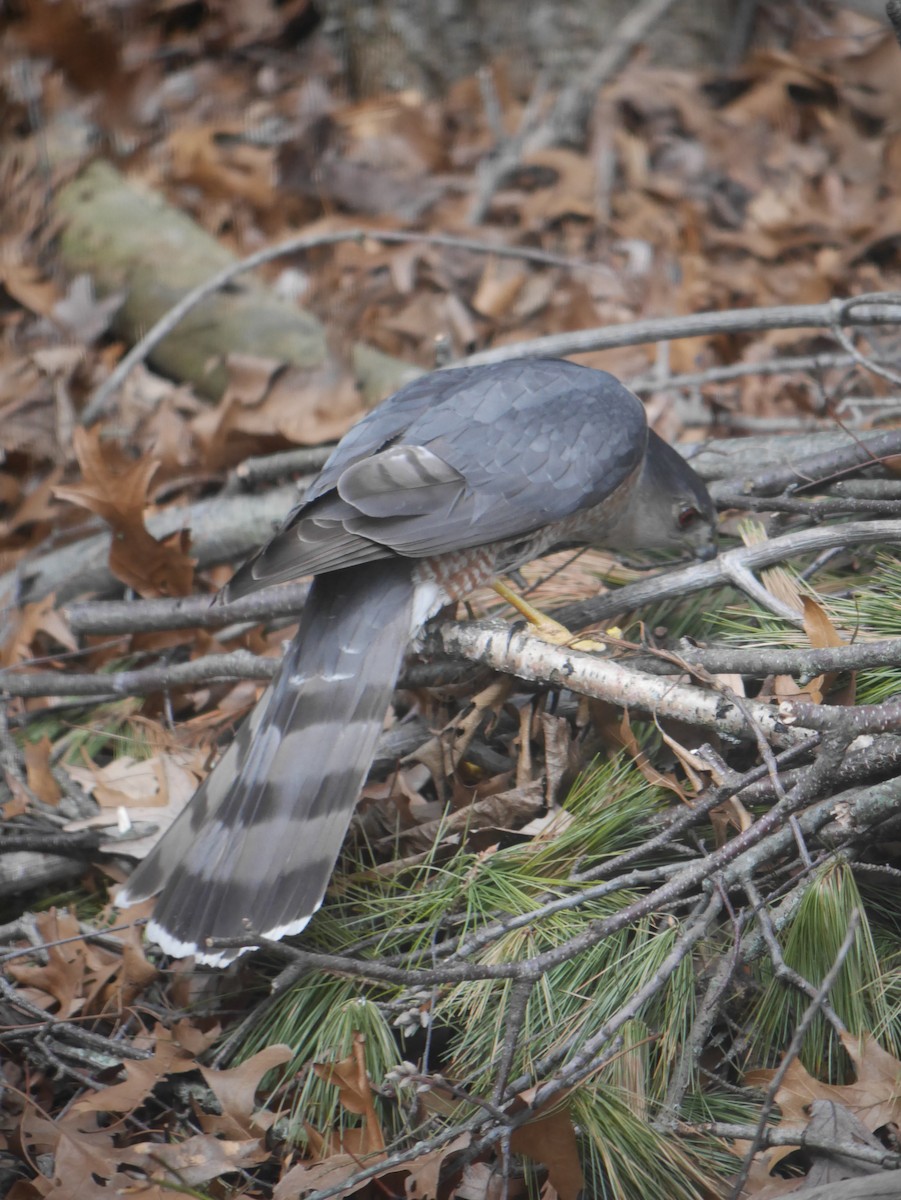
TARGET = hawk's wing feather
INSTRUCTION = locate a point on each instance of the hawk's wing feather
(491, 454)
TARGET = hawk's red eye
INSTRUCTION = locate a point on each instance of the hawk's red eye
(687, 517)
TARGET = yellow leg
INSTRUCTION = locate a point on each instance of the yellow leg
(546, 627)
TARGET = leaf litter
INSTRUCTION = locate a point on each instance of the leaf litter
(773, 183)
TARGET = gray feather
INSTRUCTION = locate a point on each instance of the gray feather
(460, 459)
(256, 847)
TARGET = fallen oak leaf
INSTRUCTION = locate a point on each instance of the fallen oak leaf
(425, 1171)
(355, 1093)
(84, 1153)
(127, 782)
(236, 1090)
(117, 982)
(39, 617)
(198, 1159)
(63, 975)
(35, 507)
(485, 1181)
(116, 490)
(549, 1138)
(141, 1077)
(874, 1097)
(328, 1174)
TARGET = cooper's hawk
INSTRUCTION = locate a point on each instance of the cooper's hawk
(459, 477)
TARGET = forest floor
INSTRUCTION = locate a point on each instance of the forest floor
(774, 183)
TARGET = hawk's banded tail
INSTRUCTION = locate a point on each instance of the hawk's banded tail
(254, 850)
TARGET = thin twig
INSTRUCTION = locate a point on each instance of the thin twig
(781, 968)
(660, 329)
(239, 664)
(845, 315)
(515, 1016)
(804, 363)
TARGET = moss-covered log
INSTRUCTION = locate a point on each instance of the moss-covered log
(126, 237)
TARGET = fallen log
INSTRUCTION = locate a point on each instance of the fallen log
(129, 238)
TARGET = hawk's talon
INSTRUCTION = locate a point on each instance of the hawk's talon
(542, 625)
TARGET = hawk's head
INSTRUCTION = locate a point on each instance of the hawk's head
(669, 507)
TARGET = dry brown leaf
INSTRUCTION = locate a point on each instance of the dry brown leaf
(82, 1153)
(777, 581)
(549, 1138)
(874, 1097)
(38, 773)
(485, 1181)
(349, 1076)
(37, 506)
(62, 977)
(141, 1077)
(616, 730)
(27, 285)
(21, 800)
(114, 981)
(566, 186)
(817, 625)
(155, 798)
(39, 617)
(425, 1171)
(509, 809)
(266, 398)
(310, 407)
(224, 162)
(195, 1040)
(117, 491)
(330, 1173)
(124, 781)
(198, 1159)
(88, 53)
(167, 436)
(822, 634)
(236, 1090)
(731, 814)
(112, 488)
(498, 289)
(684, 754)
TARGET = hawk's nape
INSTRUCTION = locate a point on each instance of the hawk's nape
(459, 477)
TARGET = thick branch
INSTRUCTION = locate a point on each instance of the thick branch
(527, 657)
(729, 569)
